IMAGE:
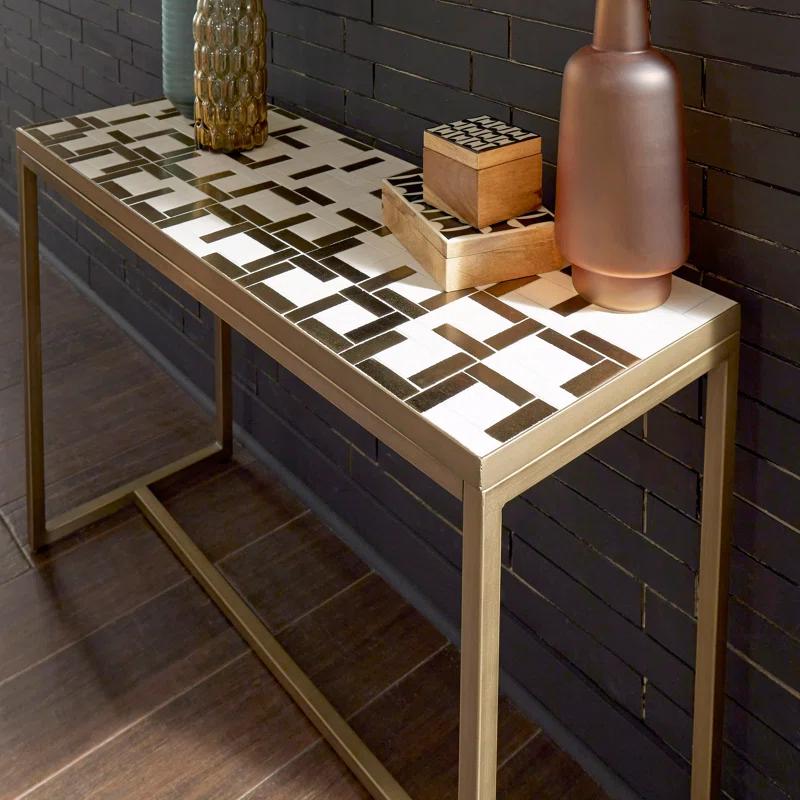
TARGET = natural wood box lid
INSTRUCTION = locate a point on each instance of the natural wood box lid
(481, 142)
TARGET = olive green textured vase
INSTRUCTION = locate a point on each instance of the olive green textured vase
(230, 76)
(177, 46)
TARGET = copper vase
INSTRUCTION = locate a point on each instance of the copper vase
(230, 77)
(622, 210)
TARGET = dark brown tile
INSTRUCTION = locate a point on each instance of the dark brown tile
(376, 327)
(318, 774)
(513, 334)
(423, 709)
(224, 265)
(400, 303)
(390, 380)
(315, 308)
(367, 301)
(463, 340)
(541, 770)
(291, 571)
(12, 560)
(592, 378)
(606, 348)
(68, 337)
(100, 469)
(367, 162)
(233, 508)
(361, 642)
(326, 335)
(359, 219)
(251, 215)
(68, 598)
(123, 400)
(506, 287)
(94, 688)
(379, 281)
(266, 267)
(372, 347)
(426, 400)
(488, 300)
(272, 298)
(502, 385)
(520, 421)
(317, 197)
(439, 300)
(570, 306)
(220, 739)
(437, 372)
(570, 346)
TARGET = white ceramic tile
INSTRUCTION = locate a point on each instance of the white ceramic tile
(241, 249)
(468, 435)
(93, 167)
(479, 405)
(345, 317)
(468, 316)
(417, 353)
(188, 233)
(303, 288)
(539, 367)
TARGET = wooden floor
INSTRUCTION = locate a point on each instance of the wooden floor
(119, 680)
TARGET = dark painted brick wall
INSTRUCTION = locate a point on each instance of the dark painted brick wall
(599, 589)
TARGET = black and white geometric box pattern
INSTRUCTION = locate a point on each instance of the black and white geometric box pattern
(297, 223)
(480, 134)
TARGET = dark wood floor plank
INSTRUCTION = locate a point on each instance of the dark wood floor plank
(413, 728)
(542, 770)
(50, 608)
(539, 770)
(83, 398)
(293, 570)
(59, 302)
(103, 432)
(233, 508)
(66, 341)
(217, 741)
(361, 642)
(317, 774)
(60, 709)
(92, 478)
(12, 560)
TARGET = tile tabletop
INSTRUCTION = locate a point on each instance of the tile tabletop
(298, 223)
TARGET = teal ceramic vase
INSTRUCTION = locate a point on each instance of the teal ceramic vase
(177, 42)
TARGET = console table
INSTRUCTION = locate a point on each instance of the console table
(487, 391)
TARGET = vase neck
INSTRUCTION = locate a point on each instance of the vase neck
(621, 25)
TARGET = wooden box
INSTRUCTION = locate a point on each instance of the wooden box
(482, 170)
(459, 256)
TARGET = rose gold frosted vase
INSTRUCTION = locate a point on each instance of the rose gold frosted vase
(622, 211)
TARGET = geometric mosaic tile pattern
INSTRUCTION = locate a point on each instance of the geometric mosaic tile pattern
(298, 223)
(410, 184)
(479, 134)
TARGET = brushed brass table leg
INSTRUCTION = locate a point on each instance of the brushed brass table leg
(372, 774)
(480, 646)
(715, 536)
(32, 352)
(223, 387)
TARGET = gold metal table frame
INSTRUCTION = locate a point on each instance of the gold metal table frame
(483, 485)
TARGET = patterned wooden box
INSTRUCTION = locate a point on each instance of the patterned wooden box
(459, 256)
(482, 170)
